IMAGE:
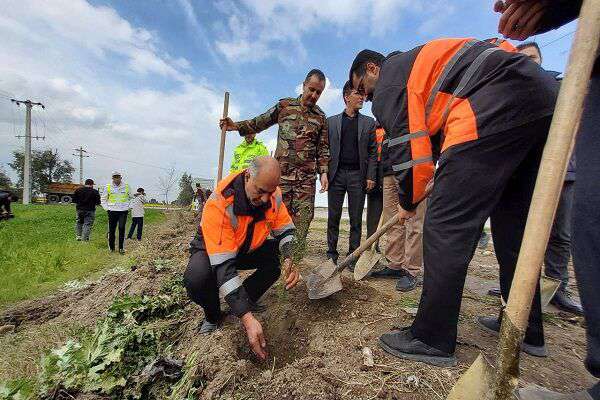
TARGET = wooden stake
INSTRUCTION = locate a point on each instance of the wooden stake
(223, 135)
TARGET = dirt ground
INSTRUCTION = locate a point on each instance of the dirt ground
(315, 347)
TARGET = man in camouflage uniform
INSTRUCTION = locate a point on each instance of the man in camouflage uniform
(302, 149)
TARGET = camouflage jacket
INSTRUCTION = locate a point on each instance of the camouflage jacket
(302, 140)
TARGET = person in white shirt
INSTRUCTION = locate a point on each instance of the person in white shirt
(115, 200)
(137, 213)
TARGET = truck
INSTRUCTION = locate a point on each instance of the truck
(61, 192)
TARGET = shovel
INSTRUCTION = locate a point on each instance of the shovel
(482, 381)
(368, 259)
(325, 280)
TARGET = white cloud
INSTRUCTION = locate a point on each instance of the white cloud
(261, 29)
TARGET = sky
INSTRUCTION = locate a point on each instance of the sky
(140, 84)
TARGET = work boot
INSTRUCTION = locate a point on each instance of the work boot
(387, 273)
(563, 301)
(121, 251)
(406, 282)
(494, 292)
(404, 345)
(536, 393)
(492, 325)
(78, 238)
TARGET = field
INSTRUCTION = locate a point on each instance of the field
(132, 334)
(38, 250)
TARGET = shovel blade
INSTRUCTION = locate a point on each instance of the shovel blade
(548, 288)
(323, 282)
(365, 264)
(476, 383)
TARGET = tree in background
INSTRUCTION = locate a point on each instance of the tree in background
(5, 182)
(186, 192)
(166, 183)
(46, 167)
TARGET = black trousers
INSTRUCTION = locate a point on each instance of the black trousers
(351, 182)
(586, 214)
(201, 283)
(374, 210)
(116, 218)
(5, 203)
(558, 251)
(493, 176)
(136, 222)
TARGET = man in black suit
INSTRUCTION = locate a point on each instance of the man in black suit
(352, 168)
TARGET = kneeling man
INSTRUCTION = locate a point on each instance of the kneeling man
(237, 220)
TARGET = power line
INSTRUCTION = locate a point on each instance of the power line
(557, 39)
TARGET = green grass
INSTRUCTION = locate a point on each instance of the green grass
(39, 253)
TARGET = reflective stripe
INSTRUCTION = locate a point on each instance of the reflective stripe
(119, 197)
(444, 74)
(464, 81)
(229, 286)
(232, 218)
(285, 240)
(220, 258)
(405, 138)
(283, 229)
(411, 163)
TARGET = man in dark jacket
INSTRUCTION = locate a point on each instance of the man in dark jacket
(86, 198)
(5, 198)
(542, 17)
(352, 168)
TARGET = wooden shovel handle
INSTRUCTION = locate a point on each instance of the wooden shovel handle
(223, 135)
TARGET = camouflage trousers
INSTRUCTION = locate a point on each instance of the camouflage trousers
(299, 199)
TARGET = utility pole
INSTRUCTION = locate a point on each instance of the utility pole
(27, 164)
(80, 150)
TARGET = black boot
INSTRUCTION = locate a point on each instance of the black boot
(404, 345)
(492, 325)
(563, 301)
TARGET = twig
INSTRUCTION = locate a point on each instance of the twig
(432, 389)
(371, 323)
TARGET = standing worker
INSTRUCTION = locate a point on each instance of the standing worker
(467, 104)
(234, 235)
(5, 199)
(352, 169)
(115, 200)
(302, 149)
(86, 198)
(137, 213)
(199, 198)
(248, 150)
(404, 240)
(537, 17)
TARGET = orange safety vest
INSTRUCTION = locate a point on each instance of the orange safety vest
(224, 232)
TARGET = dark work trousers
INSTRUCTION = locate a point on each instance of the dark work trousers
(493, 176)
(116, 218)
(558, 251)
(201, 283)
(586, 214)
(5, 203)
(374, 210)
(351, 182)
(139, 223)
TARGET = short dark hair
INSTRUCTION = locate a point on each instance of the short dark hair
(359, 65)
(316, 72)
(140, 190)
(347, 90)
(530, 44)
(89, 182)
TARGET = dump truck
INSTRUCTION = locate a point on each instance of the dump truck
(61, 192)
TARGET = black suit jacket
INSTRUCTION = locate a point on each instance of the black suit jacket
(367, 146)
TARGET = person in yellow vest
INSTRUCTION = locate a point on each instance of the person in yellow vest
(115, 200)
(248, 150)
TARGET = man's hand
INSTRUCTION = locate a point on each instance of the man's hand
(404, 214)
(370, 185)
(290, 274)
(255, 334)
(228, 124)
(520, 18)
(324, 183)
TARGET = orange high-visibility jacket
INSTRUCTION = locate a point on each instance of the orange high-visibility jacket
(227, 235)
(379, 135)
(447, 92)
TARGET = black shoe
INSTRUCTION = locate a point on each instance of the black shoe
(387, 273)
(492, 325)
(403, 344)
(406, 283)
(563, 301)
(121, 251)
(494, 292)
